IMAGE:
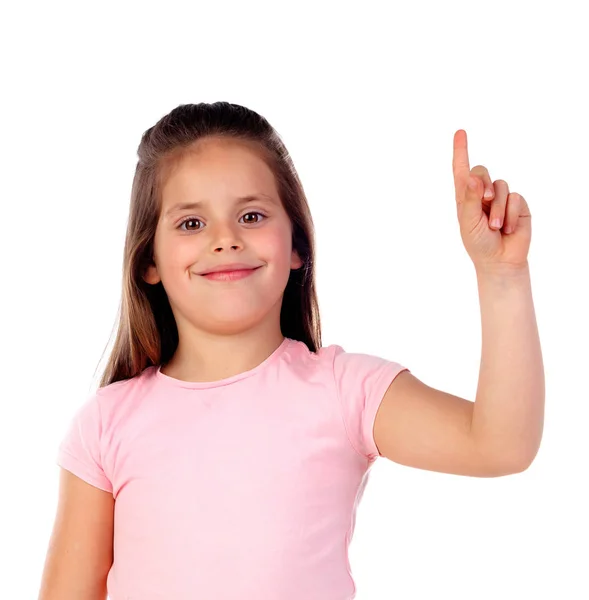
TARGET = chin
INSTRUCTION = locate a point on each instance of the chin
(230, 326)
(240, 311)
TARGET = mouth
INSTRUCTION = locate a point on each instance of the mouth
(232, 275)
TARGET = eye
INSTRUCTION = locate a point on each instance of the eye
(189, 219)
(254, 213)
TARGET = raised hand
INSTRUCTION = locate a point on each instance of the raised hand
(480, 203)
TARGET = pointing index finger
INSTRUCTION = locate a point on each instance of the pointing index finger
(460, 162)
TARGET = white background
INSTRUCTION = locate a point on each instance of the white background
(367, 97)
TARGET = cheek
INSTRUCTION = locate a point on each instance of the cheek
(275, 246)
(179, 253)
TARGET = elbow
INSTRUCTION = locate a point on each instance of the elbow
(501, 464)
(521, 464)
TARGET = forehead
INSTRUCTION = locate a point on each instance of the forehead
(215, 169)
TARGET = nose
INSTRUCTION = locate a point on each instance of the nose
(226, 238)
(220, 248)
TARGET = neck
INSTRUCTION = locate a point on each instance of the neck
(207, 356)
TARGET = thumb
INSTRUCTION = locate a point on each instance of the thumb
(470, 206)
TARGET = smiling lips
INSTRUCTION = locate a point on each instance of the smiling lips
(232, 275)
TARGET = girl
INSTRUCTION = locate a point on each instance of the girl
(226, 451)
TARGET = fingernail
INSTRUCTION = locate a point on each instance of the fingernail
(488, 193)
(496, 223)
(472, 183)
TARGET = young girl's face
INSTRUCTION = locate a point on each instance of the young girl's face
(220, 229)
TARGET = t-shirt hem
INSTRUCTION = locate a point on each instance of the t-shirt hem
(74, 465)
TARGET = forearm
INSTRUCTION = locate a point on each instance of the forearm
(508, 414)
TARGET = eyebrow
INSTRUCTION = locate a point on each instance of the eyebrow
(198, 205)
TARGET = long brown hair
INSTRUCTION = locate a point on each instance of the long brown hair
(147, 333)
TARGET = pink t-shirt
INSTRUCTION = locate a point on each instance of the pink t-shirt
(241, 488)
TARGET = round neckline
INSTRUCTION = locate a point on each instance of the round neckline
(168, 380)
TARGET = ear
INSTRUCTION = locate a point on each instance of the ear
(151, 275)
(295, 261)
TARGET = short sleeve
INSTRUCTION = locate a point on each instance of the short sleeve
(80, 449)
(361, 381)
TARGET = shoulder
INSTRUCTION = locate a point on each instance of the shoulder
(299, 356)
(346, 363)
(114, 402)
(343, 365)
